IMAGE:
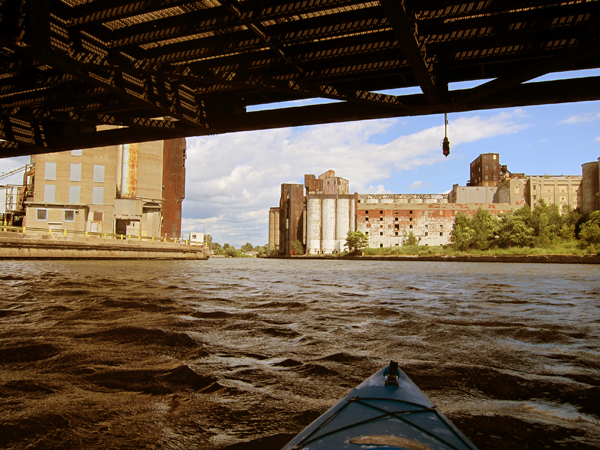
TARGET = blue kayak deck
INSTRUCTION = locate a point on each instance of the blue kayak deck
(381, 416)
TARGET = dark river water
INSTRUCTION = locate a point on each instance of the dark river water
(244, 353)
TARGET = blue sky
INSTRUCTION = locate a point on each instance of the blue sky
(233, 179)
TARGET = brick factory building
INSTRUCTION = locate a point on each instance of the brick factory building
(131, 189)
(330, 211)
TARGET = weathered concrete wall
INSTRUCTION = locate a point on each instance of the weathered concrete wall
(173, 186)
(560, 190)
(95, 174)
(313, 225)
(342, 223)
(590, 186)
(273, 229)
(23, 247)
(291, 216)
(328, 225)
(472, 194)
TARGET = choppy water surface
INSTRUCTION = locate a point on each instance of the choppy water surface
(242, 354)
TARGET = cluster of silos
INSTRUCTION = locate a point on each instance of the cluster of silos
(274, 236)
(329, 218)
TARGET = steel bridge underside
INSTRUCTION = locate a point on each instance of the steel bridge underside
(79, 73)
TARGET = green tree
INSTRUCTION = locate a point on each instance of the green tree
(546, 222)
(231, 251)
(514, 230)
(247, 247)
(298, 247)
(262, 250)
(485, 226)
(462, 234)
(226, 246)
(409, 239)
(356, 240)
(590, 230)
(208, 240)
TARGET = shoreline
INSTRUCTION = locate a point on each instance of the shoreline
(531, 259)
(45, 248)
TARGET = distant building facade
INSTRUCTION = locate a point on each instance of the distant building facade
(330, 211)
(130, 189)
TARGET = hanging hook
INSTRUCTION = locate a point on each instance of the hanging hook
(445, 141)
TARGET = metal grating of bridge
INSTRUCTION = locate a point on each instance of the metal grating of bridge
(87, 73)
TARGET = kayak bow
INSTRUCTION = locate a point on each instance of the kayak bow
(386, 411)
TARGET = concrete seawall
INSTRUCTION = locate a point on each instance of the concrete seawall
(533, 259)
(46, 247)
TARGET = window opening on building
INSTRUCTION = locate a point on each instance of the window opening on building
(69, 215)
(426, 233)
(49, 193)
(97, 195)
(50, 172)
(410, 226)
(380, 245)
(76, 152)
(75, 173)
(98, 216)
(380, 212)
(441, 234)
(41, 214)
(74, 194)
(98, 174)
(381, 233)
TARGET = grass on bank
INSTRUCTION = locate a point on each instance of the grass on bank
(570, 247)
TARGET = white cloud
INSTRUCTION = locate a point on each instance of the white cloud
(597, 139)
(579, 118)
(419, 184)
(233, 179)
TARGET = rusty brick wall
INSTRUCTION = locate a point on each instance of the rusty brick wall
(291, 217)
(431, 223)
(173, 186)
